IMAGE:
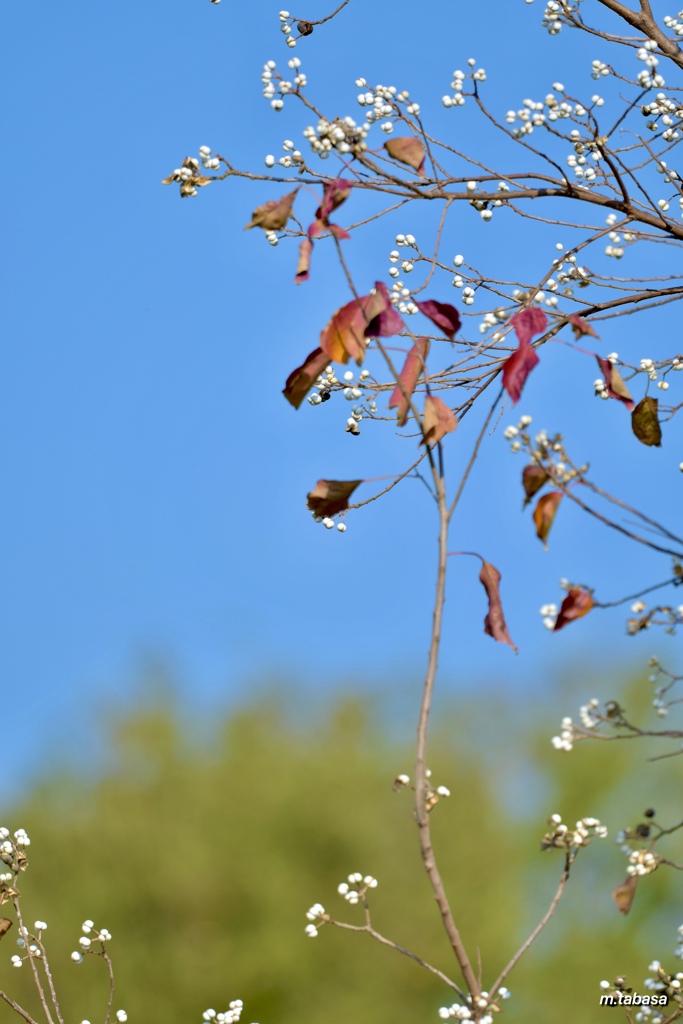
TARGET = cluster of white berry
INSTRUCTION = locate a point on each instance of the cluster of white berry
(589, 720)
(642, 862)
(292, 157)
(674, 24)
(229, 1016)
(286, 26)
(562, 837)
(670, 112)
(275, 87)
(482, 1002)
(433, 793)
(458, 97)
(90, 934)
(648, 78)
(24, 943)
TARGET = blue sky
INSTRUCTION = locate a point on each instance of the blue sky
(155, 478)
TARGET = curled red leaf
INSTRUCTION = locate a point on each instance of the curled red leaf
(331, 496)
(576, 604)
(614, 383)
(494, 623)
(304, 264)
(438, 420)
(529, 322)
(388, 321)
(407, 150)
(544, 514)
(442, 314)
(409, 376)
(273, 215)
(345, 336)
(334, 194)
(581, 327)
(517, 368)
(301, 380)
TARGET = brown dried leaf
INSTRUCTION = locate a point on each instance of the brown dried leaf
(438, 420)
(544, 514)
(623, 894)
(494, 623)
(581, 327)
(301, 380)
(407, 150)
(304, 264)
(409, 376)
(5, 925)
(533, 478)
(273, 215)
(331, 496)
(645, 422)
(576, 604)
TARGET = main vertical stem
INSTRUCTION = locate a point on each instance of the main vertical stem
(421, 781)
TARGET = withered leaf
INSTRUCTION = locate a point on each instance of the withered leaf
(345, 336)
(581, 327)
(528, 322)
(5, 925)
(438, 420)
(614, 383)
(304, 264)
(331, 496)
(409, 376)
(494, 623)
(576, 604)
(407, 150)
(517, 368)
(388, 320)
(273, 215)
(301, 380)
(544, 514)
(533, 478)
(645, 422)
(442, 314)
(623, 894)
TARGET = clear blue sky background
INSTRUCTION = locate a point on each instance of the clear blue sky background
(154, 478)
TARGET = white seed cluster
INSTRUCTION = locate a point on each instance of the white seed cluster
(562, 837)
(473, 1007)
(356, 886)
(229, 1016)
(642, 862)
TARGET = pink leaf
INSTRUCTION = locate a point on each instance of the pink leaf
(334, 194)
(494, 623)
(517, 368)
(528, 322)
(615, 384)
(409, 376)
(442, 314)
(387, 322)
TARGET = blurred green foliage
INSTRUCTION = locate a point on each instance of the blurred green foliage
(201, 846)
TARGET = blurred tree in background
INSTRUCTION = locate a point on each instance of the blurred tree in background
(201, 846)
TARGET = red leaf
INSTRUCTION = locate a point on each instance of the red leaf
(544, 514)
(494, 623)
(615, 385)
(304, 264)
(442, 314)
(407, 150)
(528, 322)
(273, 216)
(438, 420)
(517, 368)
(409, 376)
(533, 478)
(334, 194)
(301, 380)
(387, 322)
(576, 604)
(581, 327)
(331, 496)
